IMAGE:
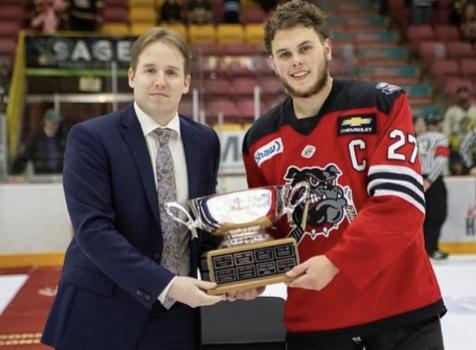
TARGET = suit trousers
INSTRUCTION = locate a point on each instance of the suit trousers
(174, 329)
(421, 335)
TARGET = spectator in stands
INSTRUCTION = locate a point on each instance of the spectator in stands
(44, 149)
(468, 151)
(47, 16)
(456, 11)
(434, 151)
(421, 11)
(459, 120)
(468, 24)
(84, 15)
(231, 11)
(267, 5)
(199, 12)
(171, 12)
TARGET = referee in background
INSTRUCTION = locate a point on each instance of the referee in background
(434, 152)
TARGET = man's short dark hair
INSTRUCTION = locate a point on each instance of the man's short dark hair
(292, 14)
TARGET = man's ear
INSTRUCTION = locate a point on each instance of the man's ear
(188, 80)
(130, 75)
(328, 48)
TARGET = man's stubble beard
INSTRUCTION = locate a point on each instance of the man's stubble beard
(316, 88)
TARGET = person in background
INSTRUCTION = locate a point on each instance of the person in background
(129, 279)
(468, 23)
(171, 12)
(419, 125)
(84, 15)
(44, 149)
(47, 16)
(459, 120)
(434, 152)
(422, 11)
(359, 235)
(468, 151)
(231, 11)
(199, 12)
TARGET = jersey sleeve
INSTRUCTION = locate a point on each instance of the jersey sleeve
(254, 175)
(390, 219)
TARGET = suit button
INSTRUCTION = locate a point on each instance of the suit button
(147, 296)
(140, 292)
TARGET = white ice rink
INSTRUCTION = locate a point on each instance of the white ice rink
(457, 278)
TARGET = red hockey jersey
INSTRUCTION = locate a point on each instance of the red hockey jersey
(365, 211)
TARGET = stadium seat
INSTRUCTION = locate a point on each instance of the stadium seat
(446, 32)
(11, 12)
(115, 29)
(441, 70)
(9, 29)
(230, 34)
(7, 46)
(202, 34)
(206, 49)
(217, 86)
(115, 14)
(460, 49)
(246, 108)
(243, 86)
(141, 14)
(431, 50)
(215, 106)
(139, 28)
(271, 85)
(415, 34)
(468, 68)
(252, 15)
(254, 34)
(177, 27)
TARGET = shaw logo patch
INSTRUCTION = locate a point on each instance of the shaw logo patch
(357, 124)
(268, 151)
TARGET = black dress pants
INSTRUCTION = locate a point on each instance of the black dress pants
(436, 212)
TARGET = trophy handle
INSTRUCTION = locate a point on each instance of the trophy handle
(189, 222)
(289, 206)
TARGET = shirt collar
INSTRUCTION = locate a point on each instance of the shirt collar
(148, 124)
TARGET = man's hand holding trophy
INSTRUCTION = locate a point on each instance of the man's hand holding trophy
(247, 258)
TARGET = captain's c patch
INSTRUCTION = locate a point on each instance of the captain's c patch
(357, 124)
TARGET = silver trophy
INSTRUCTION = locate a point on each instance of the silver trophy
(247, 257)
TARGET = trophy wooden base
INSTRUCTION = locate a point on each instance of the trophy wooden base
(250, 265)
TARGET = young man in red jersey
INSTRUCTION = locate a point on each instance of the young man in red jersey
(365, 280)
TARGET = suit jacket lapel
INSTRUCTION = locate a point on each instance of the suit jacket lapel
(191, 144)
(135, 139)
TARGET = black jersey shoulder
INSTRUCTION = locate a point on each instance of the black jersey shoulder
(267, 124)
(354, 94)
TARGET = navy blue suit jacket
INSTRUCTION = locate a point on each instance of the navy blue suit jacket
(112, 275)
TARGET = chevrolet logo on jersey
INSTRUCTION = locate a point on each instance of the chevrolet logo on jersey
(357, 124)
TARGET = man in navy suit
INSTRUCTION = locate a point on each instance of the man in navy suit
(113, 285)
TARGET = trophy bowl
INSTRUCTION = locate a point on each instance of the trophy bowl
(248, 257)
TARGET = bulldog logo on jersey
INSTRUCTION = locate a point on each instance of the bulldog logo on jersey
(328, 203)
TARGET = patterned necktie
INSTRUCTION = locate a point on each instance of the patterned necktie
(167, 192)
